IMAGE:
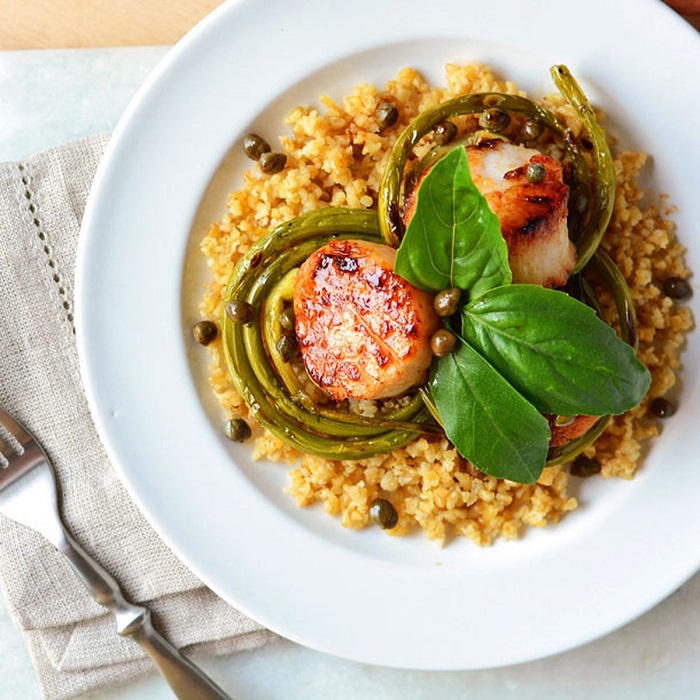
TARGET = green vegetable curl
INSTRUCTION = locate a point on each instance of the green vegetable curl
(602, 197)
(591, 201)
(282, 406)
(275, 396)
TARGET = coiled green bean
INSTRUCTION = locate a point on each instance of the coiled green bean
(391, 189)
(286, 414)
(603, 193)
(591, 196)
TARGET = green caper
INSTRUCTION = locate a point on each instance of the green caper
(383, 513)
(287, 319)
(239, 311)
(531, 130)
(237, 430)
(204, 332)
(661, 407)
(254, 146)
(494, 119)
(443, 342)
(445, 132)
(535, 172)
(585, 466)
(286, 347)
(446, 301)
(387, 115)
(677, 288)
(271, 163)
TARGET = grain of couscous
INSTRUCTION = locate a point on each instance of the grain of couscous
(335, 156)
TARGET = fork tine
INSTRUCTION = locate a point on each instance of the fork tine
(15, 429)
(35, 504)
(6, 451)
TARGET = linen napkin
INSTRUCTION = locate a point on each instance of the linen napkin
(73, 640)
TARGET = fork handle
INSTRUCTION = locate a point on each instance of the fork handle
(187, 680)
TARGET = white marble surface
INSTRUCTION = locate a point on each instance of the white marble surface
(51, 97)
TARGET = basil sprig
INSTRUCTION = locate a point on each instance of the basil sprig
(523, 350)
(555, 351)
(487, 419)
(455, 239)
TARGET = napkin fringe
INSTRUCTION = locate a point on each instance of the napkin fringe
(29, 206)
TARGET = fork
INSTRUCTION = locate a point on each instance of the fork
(28, 495)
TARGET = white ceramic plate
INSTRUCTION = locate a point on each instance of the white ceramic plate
(363, 595)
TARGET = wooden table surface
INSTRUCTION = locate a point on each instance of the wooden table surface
(38, 24)
(57, 24)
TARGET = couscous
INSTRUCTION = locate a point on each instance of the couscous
(335, 155)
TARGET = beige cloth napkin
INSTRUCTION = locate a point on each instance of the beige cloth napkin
(72, 639)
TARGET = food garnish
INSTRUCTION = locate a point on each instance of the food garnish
(524, 350)
(507, 358)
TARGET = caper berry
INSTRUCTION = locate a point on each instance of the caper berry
(237, 430)
(661, 407)
(383, 513)
(271, 163)
(287, 319)
(286, 347)
(494, 120)
(254, 146)
(204, 332)
(535, 172)
(387, 115)
(531, 130)
(677, 288)
(239, 311)
(585, 466)
(445, 132)
(443, 342)
(446, 301)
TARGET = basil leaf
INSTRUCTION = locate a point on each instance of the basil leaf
(453, 238)
(555, 351)
(486, 419)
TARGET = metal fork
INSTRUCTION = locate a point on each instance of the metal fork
(29, 496)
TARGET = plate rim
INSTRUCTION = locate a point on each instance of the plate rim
(107, 417)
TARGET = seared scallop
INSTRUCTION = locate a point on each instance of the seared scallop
(363, 331)
(526, 191)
